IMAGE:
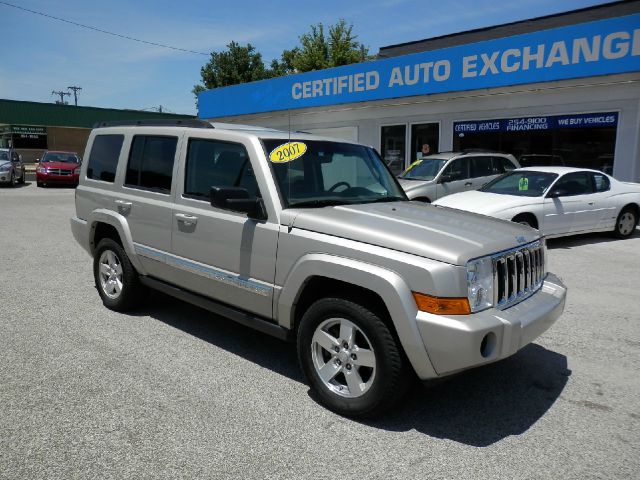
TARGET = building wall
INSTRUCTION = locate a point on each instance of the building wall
(620, 93)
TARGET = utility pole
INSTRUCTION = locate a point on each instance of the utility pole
(75, 93)
(62, 95)
(160, 109)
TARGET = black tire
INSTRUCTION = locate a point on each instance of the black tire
(131, 290)
(388, 381)
(628, 216)
(40, 184)
(12, 179)
(23, 178)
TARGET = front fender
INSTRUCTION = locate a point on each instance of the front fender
(388, 285)
(119, 222)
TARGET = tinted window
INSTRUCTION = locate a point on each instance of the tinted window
(577, 183)
(601, 182)
(502, 165)
(151, 162)
(458, 170)
(220, 164)
(481, 167)
(522, 183)
(103, 159)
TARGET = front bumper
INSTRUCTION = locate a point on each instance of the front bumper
(50, 178)
(455, 343)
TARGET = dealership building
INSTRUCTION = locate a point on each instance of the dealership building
(563, 89)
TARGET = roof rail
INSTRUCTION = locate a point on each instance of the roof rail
(481, 150)
(156, 122)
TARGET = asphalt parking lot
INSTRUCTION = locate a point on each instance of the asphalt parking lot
(174, 392)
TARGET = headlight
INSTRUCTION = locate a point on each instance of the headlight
(41, 170)
(480, 283)
(5, 168)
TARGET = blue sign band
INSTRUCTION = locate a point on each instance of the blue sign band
(602, 47)
(584, 120)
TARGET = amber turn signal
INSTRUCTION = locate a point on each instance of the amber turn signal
(442, 305)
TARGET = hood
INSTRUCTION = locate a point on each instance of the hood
(428, 231)
(484, 202)
(61, 165)
(408, 185)
(5, 162)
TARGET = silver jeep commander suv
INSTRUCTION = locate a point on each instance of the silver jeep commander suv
(310, 239)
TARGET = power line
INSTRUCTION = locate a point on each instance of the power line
(62, 95)
(126, 37)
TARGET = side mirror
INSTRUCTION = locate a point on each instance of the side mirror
(237, 200)
(556, 192)
(444, 178)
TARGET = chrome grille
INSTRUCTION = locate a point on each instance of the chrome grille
(517, 274)
(59, 171)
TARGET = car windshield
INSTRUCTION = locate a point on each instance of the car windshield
(4, 155)
(424, 169)
(523, 183)
(61, 157)
(314, 173)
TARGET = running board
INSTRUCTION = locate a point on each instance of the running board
(237, 315)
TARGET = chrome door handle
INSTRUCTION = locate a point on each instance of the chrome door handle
(186, 219)
(123, 206)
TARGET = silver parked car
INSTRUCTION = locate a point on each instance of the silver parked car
(312, 240)
(12, 169)
(441, 174)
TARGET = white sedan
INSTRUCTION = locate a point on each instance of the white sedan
(556, 200)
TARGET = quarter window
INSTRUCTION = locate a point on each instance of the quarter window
(212, 163)
(103, 158)
(601, 182)
(150, 163)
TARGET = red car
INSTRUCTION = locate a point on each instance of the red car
(58, 168)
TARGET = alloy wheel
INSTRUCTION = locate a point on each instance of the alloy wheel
(110, 272)
(343, 357)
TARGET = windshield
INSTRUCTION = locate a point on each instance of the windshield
(522, 183)
(61, 157)
(4, 155)
(323, 173)
(425, 169)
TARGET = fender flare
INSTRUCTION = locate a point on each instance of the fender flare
(119, 222)
(387, 284)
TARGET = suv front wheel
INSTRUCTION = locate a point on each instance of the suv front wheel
(351, 358)
(116, 279)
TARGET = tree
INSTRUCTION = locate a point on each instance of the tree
(285, 65)
(340, 48)
(238, 64)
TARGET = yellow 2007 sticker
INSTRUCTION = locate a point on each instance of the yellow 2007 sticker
(287, 152)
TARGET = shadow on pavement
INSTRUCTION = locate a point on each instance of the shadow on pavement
(585, 239)
(485, 405)
(478, 407)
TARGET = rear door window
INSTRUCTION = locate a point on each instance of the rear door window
(150, 163)
(481, 167)
(103, 158)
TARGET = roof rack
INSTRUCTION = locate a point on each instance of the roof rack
(156, 122)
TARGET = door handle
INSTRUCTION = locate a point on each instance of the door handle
(186, 219)
(123, 206)
(468, 184)
(590, 203)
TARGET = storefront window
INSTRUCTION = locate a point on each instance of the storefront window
(424, 134)
(582, 140)
(393, 147)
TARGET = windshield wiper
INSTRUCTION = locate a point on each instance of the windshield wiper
(318, 203)
(385, 199)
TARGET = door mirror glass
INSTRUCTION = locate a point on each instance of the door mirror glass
(557, 192)
(237, 199)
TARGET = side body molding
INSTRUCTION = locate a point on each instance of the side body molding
(103, 215)
(391, 288)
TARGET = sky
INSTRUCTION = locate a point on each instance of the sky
(41, 54)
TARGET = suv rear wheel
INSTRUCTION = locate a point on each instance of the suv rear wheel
(351, 358)
(116, 279)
